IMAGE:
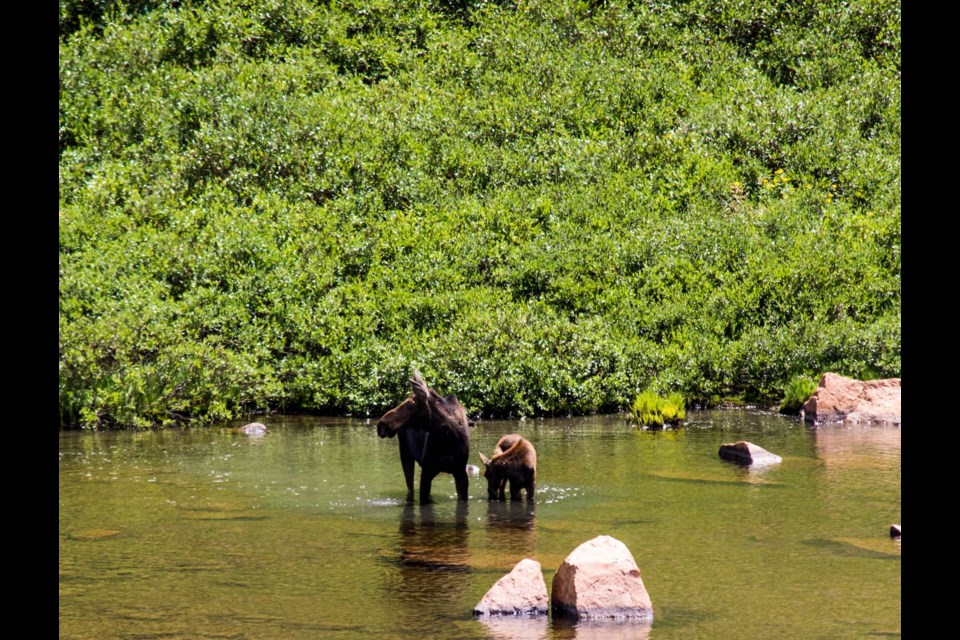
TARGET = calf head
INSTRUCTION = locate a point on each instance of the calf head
(515, 461)
(495, 480)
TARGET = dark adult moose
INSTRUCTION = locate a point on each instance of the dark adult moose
(434, 432)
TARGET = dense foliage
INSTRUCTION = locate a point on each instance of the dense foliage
(545, 206)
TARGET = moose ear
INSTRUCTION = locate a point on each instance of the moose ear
(485, 460)
(420, 389)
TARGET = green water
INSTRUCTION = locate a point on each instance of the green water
(304, 533)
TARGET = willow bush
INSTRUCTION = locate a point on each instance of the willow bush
(545, 207)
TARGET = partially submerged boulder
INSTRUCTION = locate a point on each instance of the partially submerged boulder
(747, 453)
(839, 399)
(600, 580)
(520, 592)
(254, 429)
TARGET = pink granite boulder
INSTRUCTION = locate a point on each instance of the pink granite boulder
(747, 453)
(840, 399)
(520, 592)
(600, 580)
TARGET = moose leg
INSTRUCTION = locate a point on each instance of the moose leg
(408, 463)
(460, 478)
(426, 479)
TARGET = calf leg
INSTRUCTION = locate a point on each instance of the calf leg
(515, 488)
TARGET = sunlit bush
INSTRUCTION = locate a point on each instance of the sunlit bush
(546, 207)
(651, 410)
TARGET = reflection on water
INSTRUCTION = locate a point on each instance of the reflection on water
(603, 630)
(857, 445)
(541, 627)
(304, 533)
(512, 527)
(516, 627)
(429, 542)
(431, 560)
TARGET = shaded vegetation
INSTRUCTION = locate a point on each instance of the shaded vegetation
(546, 207)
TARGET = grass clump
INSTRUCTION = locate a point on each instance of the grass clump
(798, 390)
(651, 410)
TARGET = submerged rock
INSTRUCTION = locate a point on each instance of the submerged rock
(744, 452)
(94, 534)
(600, 580)
(254, 429)
(840, 399)
(520, 592)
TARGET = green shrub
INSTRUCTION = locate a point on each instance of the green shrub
(798, 390)
(546, 207)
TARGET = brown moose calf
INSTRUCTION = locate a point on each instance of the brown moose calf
(514, 461)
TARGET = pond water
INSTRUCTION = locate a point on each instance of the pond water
(304, 532)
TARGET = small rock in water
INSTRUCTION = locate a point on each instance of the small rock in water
(522, 592)
(254, 429)
(747, 453)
